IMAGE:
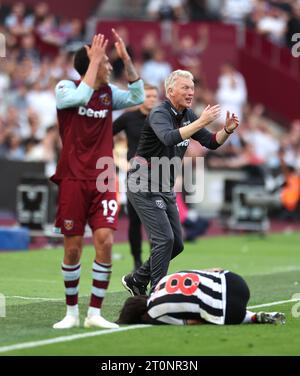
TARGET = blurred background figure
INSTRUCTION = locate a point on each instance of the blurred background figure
(193, 225)
(232, 91)
(156, 69)
(236, 11)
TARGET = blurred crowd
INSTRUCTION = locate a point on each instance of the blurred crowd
(277, 19)
(39, 47)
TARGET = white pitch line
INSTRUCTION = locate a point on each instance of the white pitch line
(31, 298)
(274, 303)
(36, 298)
(28, 345)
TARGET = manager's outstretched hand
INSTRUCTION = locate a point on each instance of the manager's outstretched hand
(210, 114)
(232, 122)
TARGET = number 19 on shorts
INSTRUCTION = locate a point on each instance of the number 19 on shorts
(110, 208)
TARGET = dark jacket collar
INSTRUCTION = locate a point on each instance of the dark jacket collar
(176, 114)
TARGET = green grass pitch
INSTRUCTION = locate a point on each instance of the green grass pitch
(270, 265)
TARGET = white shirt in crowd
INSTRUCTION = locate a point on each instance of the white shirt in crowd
(234, 11)
(44, 104)
(273, 26)
(155, 72)
(232, 94)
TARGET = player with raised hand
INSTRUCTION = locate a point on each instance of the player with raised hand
(84, 109)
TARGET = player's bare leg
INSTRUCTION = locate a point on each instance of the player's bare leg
(71, 274)
(103, 241)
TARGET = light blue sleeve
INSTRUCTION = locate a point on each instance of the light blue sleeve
(68, 95)
(127, 98)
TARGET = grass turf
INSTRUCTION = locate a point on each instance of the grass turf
(270, 265)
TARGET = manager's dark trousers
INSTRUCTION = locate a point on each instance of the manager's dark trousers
(159, 214)
(134, 233)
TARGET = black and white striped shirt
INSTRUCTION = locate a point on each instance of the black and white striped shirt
(189, 295)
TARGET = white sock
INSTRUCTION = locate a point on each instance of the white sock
(72, 310)
(92, 311)
(249, 318)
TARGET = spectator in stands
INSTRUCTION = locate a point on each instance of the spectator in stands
(59, 67)
(32, 132)
(12, 120)
(188, 51)
(4, 84)
(290, 193)
(264, 142)
(232, 91)
(24, 73)
(193, 225)
(148, 46)
(45, 151)
(15, 150)
(40, 12)
(156, 69)
(245, 158)
(4, 12)
(75, 38)
(17, 22)
(42, 101)
(273, 24)
(236, 11)
(49, 32)
(290, 145)
(197, 10)
(166, 9)
(28, 49)
(3, 148)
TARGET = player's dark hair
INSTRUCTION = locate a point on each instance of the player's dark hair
(133, 310)
(81, 61)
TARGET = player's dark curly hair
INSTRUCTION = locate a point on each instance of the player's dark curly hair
(81, 61)
(134, 311)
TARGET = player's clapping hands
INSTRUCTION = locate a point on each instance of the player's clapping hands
(120, 46)
(210, 114)
(232, 122)
(98, 48)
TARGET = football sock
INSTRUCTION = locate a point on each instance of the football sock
(101, 277)
(71, 276)
(250, 318)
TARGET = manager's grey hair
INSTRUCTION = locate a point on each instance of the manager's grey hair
(170, 80)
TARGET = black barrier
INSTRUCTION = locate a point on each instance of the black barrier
(11, 175)
(36, 201)
(26, 192)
